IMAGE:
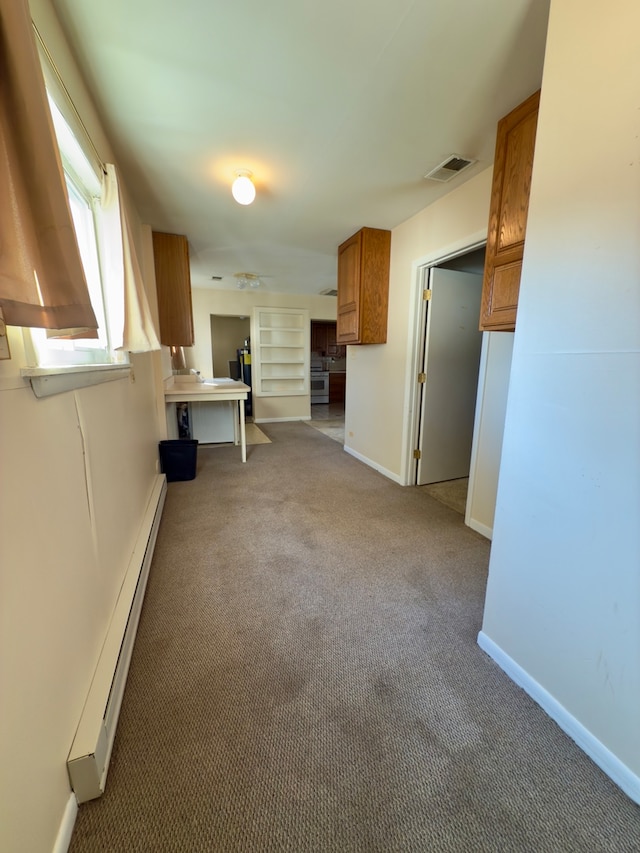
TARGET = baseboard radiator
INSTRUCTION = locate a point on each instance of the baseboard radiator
(88, 760)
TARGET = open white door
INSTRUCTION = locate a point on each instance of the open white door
(451, 361)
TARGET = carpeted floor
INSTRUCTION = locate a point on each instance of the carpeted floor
(306, 678)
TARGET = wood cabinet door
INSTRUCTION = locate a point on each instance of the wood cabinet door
(173, 285)
(349, 273)
(363, 287)
(374, 286)
(319, 342)
(323, 339)
(512, 170)
(337, 384)
(333, 347)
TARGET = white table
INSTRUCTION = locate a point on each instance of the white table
(187, 389)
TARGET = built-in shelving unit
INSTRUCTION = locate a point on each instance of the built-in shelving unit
(280, 352)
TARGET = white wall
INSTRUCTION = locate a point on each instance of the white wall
(69, 515)
(563, 597)
(241, 303)
(491, 404)
(378, 402)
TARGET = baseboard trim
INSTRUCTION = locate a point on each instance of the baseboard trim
(389, 474)
(480, 528)
(88, 759)
(609, 763)
(65, 830)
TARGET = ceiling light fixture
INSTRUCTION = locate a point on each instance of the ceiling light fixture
(242, 188)
(246, 279)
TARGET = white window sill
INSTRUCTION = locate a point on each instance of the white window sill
(46, 381)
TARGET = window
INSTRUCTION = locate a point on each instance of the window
(84, 188)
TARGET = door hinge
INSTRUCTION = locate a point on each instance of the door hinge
(422, 378)
(426, 295)
(417, 454)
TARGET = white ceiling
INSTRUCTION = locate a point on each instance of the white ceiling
(338, 107)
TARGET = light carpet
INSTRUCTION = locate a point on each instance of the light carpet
(306, 679)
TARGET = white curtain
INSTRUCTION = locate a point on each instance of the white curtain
(130, 320)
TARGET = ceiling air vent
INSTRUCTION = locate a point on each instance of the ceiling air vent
(448, 169)
(329, 292)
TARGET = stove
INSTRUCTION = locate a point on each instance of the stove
(319, 383)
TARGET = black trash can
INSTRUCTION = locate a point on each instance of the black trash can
(178, 458)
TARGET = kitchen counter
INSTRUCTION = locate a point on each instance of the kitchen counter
(187, 389)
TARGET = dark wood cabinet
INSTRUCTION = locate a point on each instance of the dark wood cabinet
(363, 287)
(323, 339)
(319, 337)
(173, 285)
(334, 349)
(513, 165)
(337, 384)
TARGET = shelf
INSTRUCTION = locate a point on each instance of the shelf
(296, 329)
(286, 376)
(281, 351)
(287, 318)
(283, 387)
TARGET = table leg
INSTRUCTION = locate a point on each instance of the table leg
(243, 437)
(236, 428)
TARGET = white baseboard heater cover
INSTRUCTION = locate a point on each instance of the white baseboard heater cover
(88, 760)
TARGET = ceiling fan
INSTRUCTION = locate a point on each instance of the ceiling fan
(244, 280)
(247, 279)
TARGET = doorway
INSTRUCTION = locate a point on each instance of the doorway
(328, 365)
(228, 334)
(449, 358)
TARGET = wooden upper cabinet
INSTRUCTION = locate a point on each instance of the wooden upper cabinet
(363, 287)
(173, 284)
(512, 169)
(334, 349)
(319, 337)
(323, 339)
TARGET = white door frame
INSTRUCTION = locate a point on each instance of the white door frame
(420, 272)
